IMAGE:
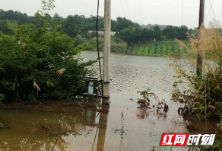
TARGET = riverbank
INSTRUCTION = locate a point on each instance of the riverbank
(54, 106)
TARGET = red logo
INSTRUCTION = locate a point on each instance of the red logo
(176, 139)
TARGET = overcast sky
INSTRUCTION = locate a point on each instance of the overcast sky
(163, 12)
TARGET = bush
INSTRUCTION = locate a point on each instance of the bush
(79, 40)
(117, 45)
(194, 89)
(38, 64)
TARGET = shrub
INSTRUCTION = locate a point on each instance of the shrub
(207, 88)
(38, 64)
(117, 45)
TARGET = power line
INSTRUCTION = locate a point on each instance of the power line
(141, 11)
(182, 12)
(122, 8)
(97, 45)
(206, 8)
(211, 8)
(135, 9)
(128, 9)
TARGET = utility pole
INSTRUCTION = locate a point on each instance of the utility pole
(199, 52)
(106, 51)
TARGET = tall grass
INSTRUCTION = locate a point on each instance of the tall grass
(204, 92)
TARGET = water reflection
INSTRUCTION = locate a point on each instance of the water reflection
(85, 128)
(102, 129)
(142, 113)
(31, 130)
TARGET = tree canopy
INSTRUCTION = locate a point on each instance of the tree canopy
(74, 25)
(171, 32)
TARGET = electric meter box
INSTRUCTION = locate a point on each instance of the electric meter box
(91, 86)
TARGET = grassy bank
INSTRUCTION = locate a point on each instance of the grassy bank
(161, 48)
(158, 49)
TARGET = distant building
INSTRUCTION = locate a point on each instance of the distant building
(102, 32)
(49, 29)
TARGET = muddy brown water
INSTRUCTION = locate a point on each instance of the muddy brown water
(84, 129)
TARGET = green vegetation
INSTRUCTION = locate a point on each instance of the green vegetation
(39, 54)
(137, 34)
(128, 33)
(117, 45)
(72, 25)
(202, 95)
(38, 64)
(34, 48)
(161, 48)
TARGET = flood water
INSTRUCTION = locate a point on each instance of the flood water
(85, 129)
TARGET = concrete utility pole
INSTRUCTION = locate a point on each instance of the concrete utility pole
(106, 51)
(199, 52)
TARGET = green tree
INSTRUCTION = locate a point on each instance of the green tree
(123, 23)
(182, 33)
(148, 35)
(74, 25)
(169, 32)
(36, 63)
(157, 32)
(136, 34)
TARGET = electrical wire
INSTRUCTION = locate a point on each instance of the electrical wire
(122, 7)
(211, 8)
(205, 93)
(128, 9)
(141, 11)
(182, 11)
(135, 9)
(205, 10)
(97, 45)
(95, 138)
